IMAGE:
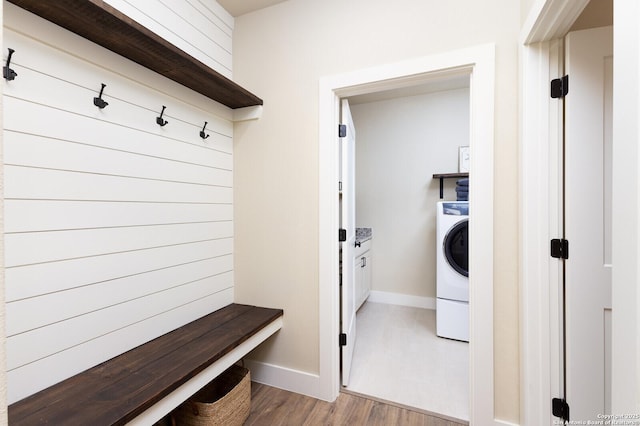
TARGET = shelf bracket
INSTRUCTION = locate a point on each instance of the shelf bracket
(443, 176)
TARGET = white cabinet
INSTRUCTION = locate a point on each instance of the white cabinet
(362, 266)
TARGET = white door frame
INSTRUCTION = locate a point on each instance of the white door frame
(541, 55)
(479, 63)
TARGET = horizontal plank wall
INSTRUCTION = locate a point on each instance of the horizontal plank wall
(117, 230)
(201, 28)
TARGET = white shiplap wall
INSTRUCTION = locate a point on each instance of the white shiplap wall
(202, 28)
(117, 230)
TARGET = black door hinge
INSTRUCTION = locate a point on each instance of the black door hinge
(342, 235)
(343, 339)
(342, 130)
(560, 249)
(560, 87)
(560, 408)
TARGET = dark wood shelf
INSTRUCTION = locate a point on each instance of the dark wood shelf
(450, 175)
(443, 176)
(102, 24)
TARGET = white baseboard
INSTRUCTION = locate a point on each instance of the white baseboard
(284, 378)
(402, 299)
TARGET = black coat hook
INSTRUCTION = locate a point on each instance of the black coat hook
(7, 72)
(203, 135)
(99, 102)
(161, 121)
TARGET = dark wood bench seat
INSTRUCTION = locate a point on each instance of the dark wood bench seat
(145, 383)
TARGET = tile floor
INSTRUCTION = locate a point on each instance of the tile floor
(399, 358)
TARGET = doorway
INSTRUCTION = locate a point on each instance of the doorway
(403, 138)
(479, 63)
(541, 131)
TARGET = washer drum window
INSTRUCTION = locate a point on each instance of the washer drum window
(456, 247)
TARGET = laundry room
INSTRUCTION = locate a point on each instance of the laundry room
(403, 138)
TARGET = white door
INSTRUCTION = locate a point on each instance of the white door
(588, 142)
(348, 223)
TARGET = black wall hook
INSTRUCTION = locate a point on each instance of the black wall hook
(203, 135)
(99, 102)
(7, 72)
(161, 121)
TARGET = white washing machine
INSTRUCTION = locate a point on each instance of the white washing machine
(452, 270)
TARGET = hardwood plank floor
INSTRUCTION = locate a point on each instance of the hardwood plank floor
(272, 406)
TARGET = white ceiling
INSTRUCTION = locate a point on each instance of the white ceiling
(240, 7)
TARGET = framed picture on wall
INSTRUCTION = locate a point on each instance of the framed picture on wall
(463, 159)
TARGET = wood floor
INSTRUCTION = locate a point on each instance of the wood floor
(271, 406)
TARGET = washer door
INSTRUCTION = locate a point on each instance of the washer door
(456, 247)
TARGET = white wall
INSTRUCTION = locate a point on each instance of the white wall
(203, 29)
(116, 230)
(400, 144)
(3, 376)
(282, 52)
(525, 8)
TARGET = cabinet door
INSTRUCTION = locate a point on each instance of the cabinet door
(358, 284)
(366, 276)
(362, 266)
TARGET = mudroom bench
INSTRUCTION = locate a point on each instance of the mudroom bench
(144, 384)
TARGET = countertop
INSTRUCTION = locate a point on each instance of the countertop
(363, 234)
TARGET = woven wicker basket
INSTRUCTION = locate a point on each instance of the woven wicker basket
(226, 401)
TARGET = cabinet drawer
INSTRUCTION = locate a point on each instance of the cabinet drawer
(364, 247)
